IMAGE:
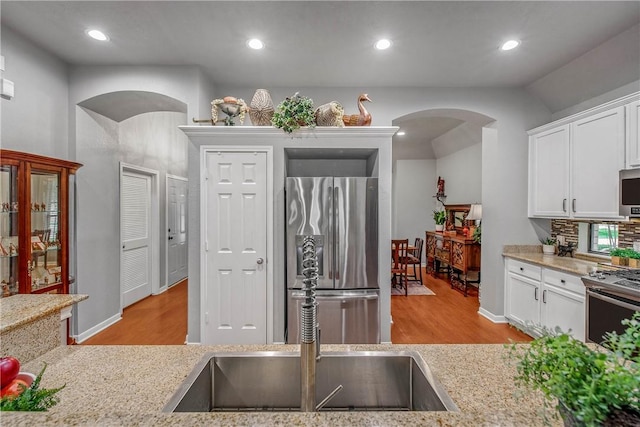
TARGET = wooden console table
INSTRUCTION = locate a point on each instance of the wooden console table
(459, 254)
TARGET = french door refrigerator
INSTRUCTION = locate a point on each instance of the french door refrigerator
(342, 215)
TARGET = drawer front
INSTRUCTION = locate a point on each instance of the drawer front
(524, 269)
(559, 279)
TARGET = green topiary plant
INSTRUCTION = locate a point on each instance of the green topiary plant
(439, 217)
(591, 384)
(293, 113)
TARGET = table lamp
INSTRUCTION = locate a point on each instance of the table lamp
(475, 215)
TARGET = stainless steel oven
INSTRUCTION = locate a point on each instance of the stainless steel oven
(611, 297)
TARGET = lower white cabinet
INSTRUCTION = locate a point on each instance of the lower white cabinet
(544, 297)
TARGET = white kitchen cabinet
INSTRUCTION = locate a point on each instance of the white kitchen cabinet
(633, 135)
(544, 297)
(597, 154)
(549, 173)
(574, 162)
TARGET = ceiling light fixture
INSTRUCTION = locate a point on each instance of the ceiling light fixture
(510, 44)
(383, 44)
(401, 133)
(255, 44)
(97, 35)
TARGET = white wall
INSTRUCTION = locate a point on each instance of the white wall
(462, 172)
(36, 120)
(414, 184)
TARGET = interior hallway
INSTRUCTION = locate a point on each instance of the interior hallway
(448, 317)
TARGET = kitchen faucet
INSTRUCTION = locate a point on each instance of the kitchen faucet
(309, 332)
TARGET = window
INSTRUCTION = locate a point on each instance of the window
(603, 237)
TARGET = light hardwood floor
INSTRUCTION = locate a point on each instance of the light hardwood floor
(158, 319)
(446, 318)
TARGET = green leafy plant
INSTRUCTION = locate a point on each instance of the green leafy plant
(593, 384)
(548, 241)
(477, 234)
(439, 217)
(33, 398)
(293, 113)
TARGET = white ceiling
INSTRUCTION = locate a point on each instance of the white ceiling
(324, 43)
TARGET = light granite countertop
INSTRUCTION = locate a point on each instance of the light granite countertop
(129, 385)
(21, 309)
(578, 266)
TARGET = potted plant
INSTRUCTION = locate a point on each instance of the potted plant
(619, 256)
(548, 245)
(293, 113)
(588, 384)
(634, 258)
(440, 218)
(477, 234)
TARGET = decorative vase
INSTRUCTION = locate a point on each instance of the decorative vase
(261, 108)
(548, 249)
(439, 227)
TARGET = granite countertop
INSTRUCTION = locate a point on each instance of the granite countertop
(20, 309)
(129, 385)
(578, 266)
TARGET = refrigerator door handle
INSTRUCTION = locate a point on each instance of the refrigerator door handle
(331, 237)
(336, 233)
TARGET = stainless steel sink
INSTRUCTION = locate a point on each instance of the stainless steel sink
(270, 381)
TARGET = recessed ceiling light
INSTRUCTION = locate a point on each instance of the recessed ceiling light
(255, 44)
(510, 44)
(98, 35)
(383, 44)
(401, 133)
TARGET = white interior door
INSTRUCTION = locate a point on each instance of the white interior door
(176, 229)
(234, 223)
(135, 231)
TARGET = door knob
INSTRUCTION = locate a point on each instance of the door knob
(260, 261)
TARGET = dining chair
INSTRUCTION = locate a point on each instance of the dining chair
(415, 260)
(399, 264)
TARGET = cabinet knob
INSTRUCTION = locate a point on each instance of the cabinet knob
(562, 281)
(521, 269)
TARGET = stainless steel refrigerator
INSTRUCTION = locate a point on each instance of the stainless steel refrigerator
(342, 214)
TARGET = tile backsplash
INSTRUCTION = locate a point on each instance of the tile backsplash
(627, 231)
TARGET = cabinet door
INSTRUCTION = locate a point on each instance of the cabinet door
(563, 309)
(597, 154)
(633, 135)
(522, 299)
(549, 173)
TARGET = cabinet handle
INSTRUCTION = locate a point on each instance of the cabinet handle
(562, 281)
(521, 269)
(573, 205)
(535, 294)
(544, 296)
(564, 205)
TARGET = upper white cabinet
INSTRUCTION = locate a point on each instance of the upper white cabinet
(633, 135)
(597, 154)
(574, 162)
(549, 173)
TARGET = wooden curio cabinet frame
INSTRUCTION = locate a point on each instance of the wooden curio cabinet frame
(34, 234)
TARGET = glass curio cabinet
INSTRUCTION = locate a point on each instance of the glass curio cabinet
(37, 224)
